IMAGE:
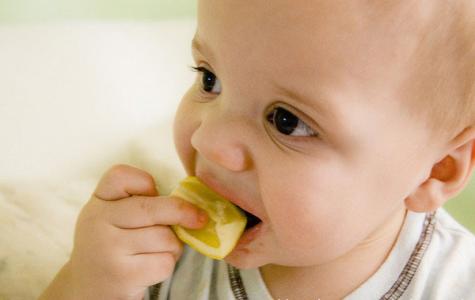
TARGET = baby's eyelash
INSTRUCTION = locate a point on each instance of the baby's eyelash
(197, 69)
(209, 81)
(200, 69)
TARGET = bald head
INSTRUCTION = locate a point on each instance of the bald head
(441, 77)
(431, 44)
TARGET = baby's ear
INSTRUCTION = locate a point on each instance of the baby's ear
(448, 176)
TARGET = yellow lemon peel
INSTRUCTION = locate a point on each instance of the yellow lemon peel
(226, 222)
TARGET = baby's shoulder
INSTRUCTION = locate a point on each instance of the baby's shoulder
(448, 266)
(451, 238)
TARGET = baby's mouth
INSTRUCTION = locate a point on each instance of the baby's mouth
(252, 220)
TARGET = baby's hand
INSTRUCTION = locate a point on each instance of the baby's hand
(123, 242)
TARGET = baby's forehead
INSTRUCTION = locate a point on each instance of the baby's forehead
(323, 23)
(363, 40)
(368, 17)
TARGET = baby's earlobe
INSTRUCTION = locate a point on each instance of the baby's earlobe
(427, 197)
(448, 177)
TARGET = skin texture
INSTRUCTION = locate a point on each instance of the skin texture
(332, 194)
(123, 242)
(336, 200)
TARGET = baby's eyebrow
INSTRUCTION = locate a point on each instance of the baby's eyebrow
(197, 45)
(315, 102)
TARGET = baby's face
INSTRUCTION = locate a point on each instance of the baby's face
(299, 116)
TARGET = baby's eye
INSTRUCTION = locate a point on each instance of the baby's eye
(289, 124)
(208, 80)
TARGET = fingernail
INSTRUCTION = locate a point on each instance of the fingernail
(202, 217)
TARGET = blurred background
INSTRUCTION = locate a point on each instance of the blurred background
(21, 11)
(108, 41)
(84, 85)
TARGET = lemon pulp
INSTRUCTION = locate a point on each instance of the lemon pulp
(226, 222)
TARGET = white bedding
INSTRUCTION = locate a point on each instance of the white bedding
(74, 100)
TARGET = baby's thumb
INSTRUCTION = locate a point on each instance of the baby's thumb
(122, 181)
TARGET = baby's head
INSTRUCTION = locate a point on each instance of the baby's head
(327, 119)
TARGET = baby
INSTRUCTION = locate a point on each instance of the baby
(343, 126)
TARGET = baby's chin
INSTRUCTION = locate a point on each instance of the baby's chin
(250, 258)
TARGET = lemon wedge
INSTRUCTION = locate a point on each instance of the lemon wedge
(226, 222)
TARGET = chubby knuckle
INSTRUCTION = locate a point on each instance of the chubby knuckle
(167, 264)
(163, 267)
(178, 250)
(167, 238)
(148, 178)
(119, 169)
(172, 242)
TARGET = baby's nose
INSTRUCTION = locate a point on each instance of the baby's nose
(223, 142)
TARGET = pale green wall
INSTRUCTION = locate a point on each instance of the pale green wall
(58, 10)
(461, 207)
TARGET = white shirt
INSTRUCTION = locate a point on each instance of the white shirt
(433, 258)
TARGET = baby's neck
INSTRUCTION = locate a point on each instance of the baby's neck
(338, 278)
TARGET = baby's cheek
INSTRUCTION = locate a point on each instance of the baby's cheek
(300, 221)
(185, 123)
(311, 222)
(314, 241)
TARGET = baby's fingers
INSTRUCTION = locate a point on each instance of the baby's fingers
(149, 268)
(139, 211)
(122, 181)
(152, 239)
